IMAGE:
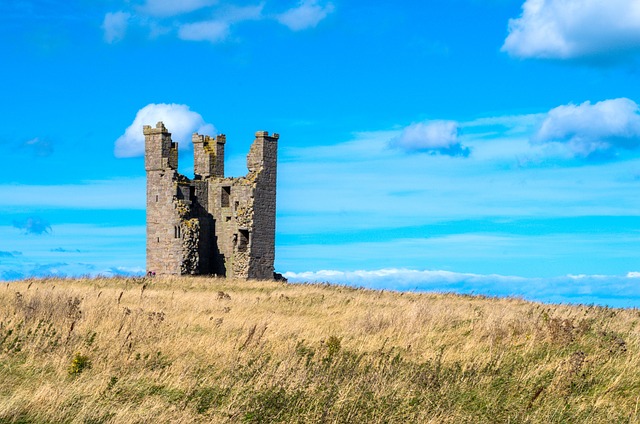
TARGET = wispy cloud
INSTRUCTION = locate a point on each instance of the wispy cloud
(119, 271)
(39, 147)
(179, 119)
(218, 29)
(484, 246)
(614, 290)
(115, 26)
(559, 29)
(166, 8)
(307, 14)
(101, 250)
(54, 269)
(107, 194)
(207, 20)
(33, 225)
(212, 31)
(67, 270)
(507, 124)
(355, 184)
(435, 137)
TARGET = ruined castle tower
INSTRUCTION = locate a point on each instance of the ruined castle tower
(211, 224)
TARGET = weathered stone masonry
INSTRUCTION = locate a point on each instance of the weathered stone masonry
(211, 224)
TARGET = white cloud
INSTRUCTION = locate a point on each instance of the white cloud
(217, 30)
(593, 130)
(307, 14)
(568, 29)
(431, 136)
(179, 120)
(115, 26)
(164, 8)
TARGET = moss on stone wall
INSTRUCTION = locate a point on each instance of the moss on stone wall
(183, 209)
(190, 239)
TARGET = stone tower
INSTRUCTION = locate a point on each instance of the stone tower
(211, 224)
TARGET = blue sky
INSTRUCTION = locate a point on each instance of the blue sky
(476, 146)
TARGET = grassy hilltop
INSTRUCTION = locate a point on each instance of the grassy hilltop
(185, 350)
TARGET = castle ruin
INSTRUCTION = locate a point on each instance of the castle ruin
(211, 224)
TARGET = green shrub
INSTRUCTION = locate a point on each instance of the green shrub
(79, 363)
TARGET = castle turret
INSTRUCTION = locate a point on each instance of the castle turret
(160, 153)
(169, 234)
(208, 156)
(262, 163)
(263, 152)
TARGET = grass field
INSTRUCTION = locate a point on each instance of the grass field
(185, 350)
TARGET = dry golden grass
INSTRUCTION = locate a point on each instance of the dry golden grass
(185, 350)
